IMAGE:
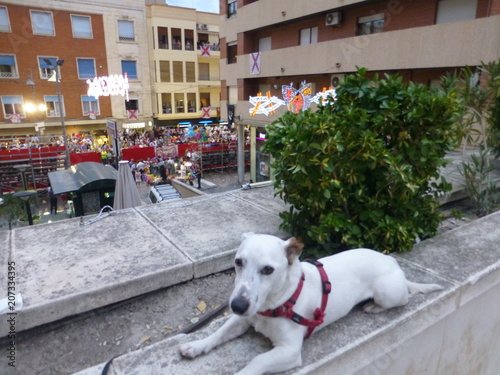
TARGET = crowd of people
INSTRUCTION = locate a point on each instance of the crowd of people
(85, 141)
(165, 163)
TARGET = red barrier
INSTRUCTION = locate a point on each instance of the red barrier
(81, 157)
(138, 153)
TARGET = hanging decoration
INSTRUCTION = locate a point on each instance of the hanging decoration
(255, 63)
(133, 114)
(15, 118)
(205, 50)
(205, 112)
(296, 100)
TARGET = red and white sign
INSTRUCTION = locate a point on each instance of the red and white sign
(205, 50)
(255, 63)
(92, 115)
(133, 114)
(206, 112)
(15, 117)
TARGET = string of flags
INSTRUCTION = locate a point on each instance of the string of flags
(296, 100)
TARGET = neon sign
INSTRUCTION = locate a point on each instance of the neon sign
(295, 99)
(113, 85)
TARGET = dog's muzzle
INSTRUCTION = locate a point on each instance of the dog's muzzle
(240, 305)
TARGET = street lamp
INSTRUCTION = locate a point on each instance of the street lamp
(59, 63)
(25, 196)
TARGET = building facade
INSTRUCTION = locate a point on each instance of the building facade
(184, 60)
(83, 40)
(268, 44)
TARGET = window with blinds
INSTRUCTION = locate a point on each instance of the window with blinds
(126, 31)
(42, 23)
(81, 27)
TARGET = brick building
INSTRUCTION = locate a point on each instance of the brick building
(87, 40)
(267, 44)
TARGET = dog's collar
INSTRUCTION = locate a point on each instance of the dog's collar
(286, 310)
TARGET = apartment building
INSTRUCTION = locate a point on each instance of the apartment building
(184, 60)
(269, 44)
(83, 41)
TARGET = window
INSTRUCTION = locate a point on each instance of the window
(163, 37)
(231, 53)
(189, 40)
(86, 68)
(8, 67)
(371, 24)
(126, 31)
(46, 69)
(166, 103)
(178, 71)
(308, 36)
(232, 6)
(4, 20)
(179, 103)
(204, 99)
(265, 44)
(81, 27)
(190, 71)
(455, 10)
(42, 23)
(164, 71)
(191, 99)
(176, 38)
(132, 109)
(204, 70)
(90, 104)
(130, 68)
(12, 105)
(52, 104)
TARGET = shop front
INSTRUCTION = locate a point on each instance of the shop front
(260, 162)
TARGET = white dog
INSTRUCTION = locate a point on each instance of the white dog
(268, 278)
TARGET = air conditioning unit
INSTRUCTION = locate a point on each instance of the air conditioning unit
(335, 80)
(333, 18)
(202, 26)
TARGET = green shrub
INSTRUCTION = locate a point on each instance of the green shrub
(356, 172)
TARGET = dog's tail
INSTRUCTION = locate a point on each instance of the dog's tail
(414, 288)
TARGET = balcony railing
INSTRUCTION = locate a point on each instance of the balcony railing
(9, 75)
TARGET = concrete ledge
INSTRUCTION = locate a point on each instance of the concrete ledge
(65, 268)
(454, 331)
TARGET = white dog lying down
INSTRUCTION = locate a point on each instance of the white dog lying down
(269, 277)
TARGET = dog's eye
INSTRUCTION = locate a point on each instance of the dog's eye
(238, 262)
(267, 270)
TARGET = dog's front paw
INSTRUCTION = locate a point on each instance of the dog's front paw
(193, 349)
(372, 308)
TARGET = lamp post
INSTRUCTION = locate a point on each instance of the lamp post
(25, 196)
(22, 168)
(59, 63)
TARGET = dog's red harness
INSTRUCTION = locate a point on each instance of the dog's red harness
(286, 310)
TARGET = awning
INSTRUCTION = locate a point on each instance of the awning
(80, 175)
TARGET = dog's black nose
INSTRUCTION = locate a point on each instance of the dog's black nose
(239, 305)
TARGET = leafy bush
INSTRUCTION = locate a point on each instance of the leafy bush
(357, 171)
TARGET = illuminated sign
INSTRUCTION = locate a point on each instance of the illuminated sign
(295, 99)
(113, 85)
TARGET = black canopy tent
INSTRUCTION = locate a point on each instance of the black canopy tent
(91, 184)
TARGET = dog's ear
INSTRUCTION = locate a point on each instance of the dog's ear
(246, 235)
(293, 249)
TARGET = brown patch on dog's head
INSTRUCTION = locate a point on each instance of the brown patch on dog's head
(293, 249)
